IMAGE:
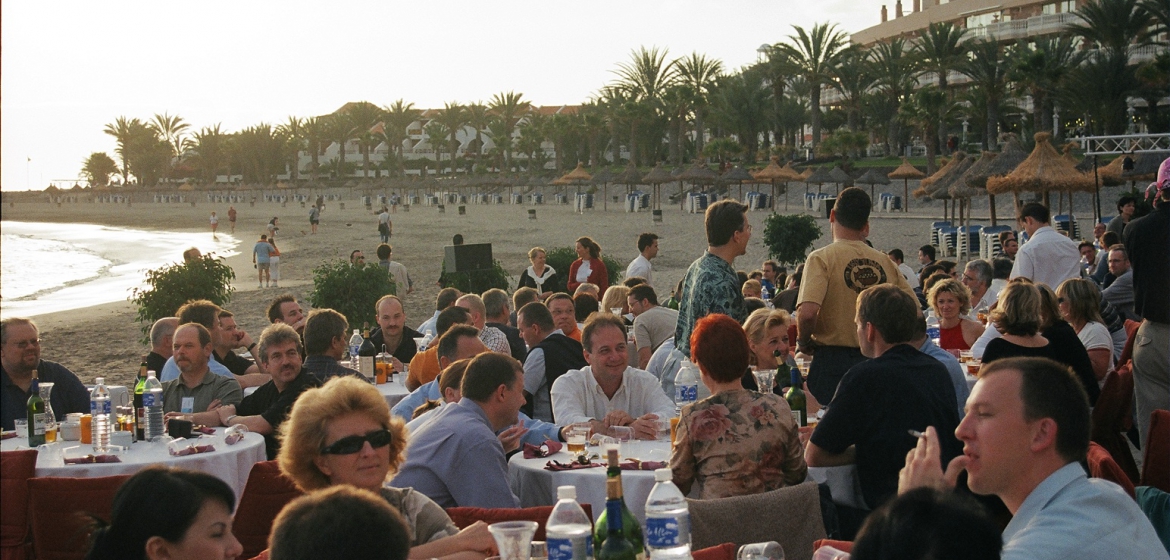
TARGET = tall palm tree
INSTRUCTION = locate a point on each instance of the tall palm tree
(341, 129)
(594, 128)
(436, 132)
(740, 106)
(1099, 88)
(940, 49)
(647, 74)
(533, 132)
(123, 130)
(813, 55)
(170, 129)
(988, 66)
(365, 116)
(1041, 68)
(927, 109)
(697, 74)
(510, 107)
(398, 117)
(477, 116)
(496, 130)
(676, 103)
(293, 132)
(453, 118)
(211, 151)
(894, 70)
(316, 132)
(1159, 10)
(852, 77)
(1115, 25)
(97, 169)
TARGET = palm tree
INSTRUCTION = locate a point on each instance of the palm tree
(364, 117)
(533, 132)
(740, 106)
(894, 70)
(1159, 10)
(988, 67)
(940, 49)
(1099, 88)
(293, 132)
(316, 132)
(927, 109)
(97, 169)
(123, 131)
(510, 106)
(594, 128)
(496, 130)
(453, 118)
(341, 128)
(435, 132)
(1113, 24)
(676, 103)
(398, 117)
(853, 76)
(813, 56)
(1041, 69)
(477, 117)
(647, 75)
(698, 74)
(210, 147)
(170, 129)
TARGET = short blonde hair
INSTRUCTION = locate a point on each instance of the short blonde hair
(303, 433)
(951, 286)
(1084, 301)
(752, 286)
(761, 321)
(1018, 310)
(615, 296)
(534, 251)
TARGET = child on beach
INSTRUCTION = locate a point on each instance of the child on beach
(214, 223)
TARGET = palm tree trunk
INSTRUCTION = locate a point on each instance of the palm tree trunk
(815, 108)
(699, 140)
(992, 123)
(942, 129)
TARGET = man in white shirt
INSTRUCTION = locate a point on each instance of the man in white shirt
(445, 299)
(1048, 257)
(899, 259)
(647, 249)
(609, 392)
(977, 278)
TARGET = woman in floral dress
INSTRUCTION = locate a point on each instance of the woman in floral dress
(735, 442)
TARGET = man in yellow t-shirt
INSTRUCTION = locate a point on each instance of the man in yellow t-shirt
(833, 278)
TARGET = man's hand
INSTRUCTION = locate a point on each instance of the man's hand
(477, 537)
(242, 339)
(510, 437)
(398, 367)
(224, 412)
(924, 466)
(617, 418)
(645, 427)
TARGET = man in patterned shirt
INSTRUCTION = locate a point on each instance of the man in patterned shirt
(493, 338)
(711, 285)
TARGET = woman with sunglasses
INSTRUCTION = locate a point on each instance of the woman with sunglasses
(342, 433)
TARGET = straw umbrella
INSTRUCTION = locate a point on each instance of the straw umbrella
(1145, 166)
(872, 177)
(840, 177)
(1043, 171)
(699, 174)
(655, 178)
(737, 175)
(630, 177)
(905, 172)
(818, 177)
(973, 182)
(772, 173)
(603, 178)
(940, 180)
(576, 177)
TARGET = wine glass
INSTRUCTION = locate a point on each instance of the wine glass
(770, 550)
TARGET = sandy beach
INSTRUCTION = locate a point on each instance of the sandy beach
(104, 340)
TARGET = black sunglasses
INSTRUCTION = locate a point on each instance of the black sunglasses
(353, 444)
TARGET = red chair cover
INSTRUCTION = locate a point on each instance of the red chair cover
(266, 493)
(1131, 328)
(464, 516)
(1112, 418)
(1102, 465)
(725, 551)
(16, 467)
(843, 546)
(60, 510)
(1156, 465)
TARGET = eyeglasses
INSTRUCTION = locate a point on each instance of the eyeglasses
(353, 444)
(26, 343)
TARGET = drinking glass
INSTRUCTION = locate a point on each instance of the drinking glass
(513, 538)
(50, 455)
(770, 550)
(20, 426)
(539, 550)
(663, 428)
(965, 356)
(765, 379)
(621, 433)
(576, 437)
(616, 311)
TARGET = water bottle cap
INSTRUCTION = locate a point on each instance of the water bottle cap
(566, 492)
(663, 475)
(99, 381)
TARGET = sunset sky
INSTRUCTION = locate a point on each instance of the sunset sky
(71, 67)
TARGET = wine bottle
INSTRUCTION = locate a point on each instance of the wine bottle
(796, 399)
(139, 409)
(616, 545)
(630, 528)
(36, 416)
(366, 354)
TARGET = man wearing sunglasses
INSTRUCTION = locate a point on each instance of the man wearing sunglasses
(457, 460)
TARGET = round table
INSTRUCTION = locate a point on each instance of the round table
(394, 391)
(230, 463)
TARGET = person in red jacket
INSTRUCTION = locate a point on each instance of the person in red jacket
(588, 266)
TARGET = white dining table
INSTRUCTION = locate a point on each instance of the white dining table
(393, 391)
(536, 486)
(230, 463)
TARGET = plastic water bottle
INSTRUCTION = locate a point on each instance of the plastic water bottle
(99, 407)
(152, 401)
(932, 329)
(668, 521)
(355, 346)
(686, 385)
(428, 337)
(569, 532)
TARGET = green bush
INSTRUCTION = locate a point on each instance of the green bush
(476, 282)
(167, 288)
(789, 237)
(561, 258)
(350, 290)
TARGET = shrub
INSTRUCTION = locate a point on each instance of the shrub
(167, 288)
(350, 290)
(561, 258)
(476, 282)
(789, 237)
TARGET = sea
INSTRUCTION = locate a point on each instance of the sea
(51, 267)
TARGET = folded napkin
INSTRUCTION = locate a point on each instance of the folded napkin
(628, 465)
(637, 465)
(232, 439)
(192, 450)
(572, 465)
(543, 450)
(87, 459)
(7, 435)
(205, 430)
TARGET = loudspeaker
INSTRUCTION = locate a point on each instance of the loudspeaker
(467, 258)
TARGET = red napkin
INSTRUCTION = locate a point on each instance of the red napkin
(192, 450)
(205, 430)
(543, 450)
(7, 435)
(572, 465)
(87, 459)
(636, 465)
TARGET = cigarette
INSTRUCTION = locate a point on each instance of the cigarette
(917, 433)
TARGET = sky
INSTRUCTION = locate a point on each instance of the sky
(68, 68)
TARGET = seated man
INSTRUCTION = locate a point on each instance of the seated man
(653, 324)
(20, 361)
(459, 342)
(425, 365)
(494, 338)
(977, 276)
(162, 341)
(264, 410)
(392, 332)
(497, 307)
(608, 392)
(564, 315)
(196, 389)
(1025, 437)
(205, 313)
(445, 299)
(285, 309)
(230, 337)
(550, 355)
(879, 400)
(457, 460)
(1120, 292)
(326, 342)
(340, 522)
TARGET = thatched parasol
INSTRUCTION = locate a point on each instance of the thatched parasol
(1111, 174)
(840, 177)
(905, 172)
(818, 177)
(604, 178)
(872, 177)
(1043, 171)
(773, 173)
(963, 187)
(1145, 166)
(630, 176)
(655, 178)
(736, 175)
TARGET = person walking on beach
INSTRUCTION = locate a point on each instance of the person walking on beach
(314, 217)
(274, 264)
(262, 259)
(214, 224)
(272, 229)
(384, 225)
(232, 217)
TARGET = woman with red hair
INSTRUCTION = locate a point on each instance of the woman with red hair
(737, 441)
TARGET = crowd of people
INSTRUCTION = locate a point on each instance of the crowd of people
(505, 370)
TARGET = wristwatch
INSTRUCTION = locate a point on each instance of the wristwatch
(228, 421)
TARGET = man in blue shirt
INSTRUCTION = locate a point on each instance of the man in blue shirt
(1025, 436)
(261, 257)
(456, 460)
(710, 284)
(204, 313)
(20, 361)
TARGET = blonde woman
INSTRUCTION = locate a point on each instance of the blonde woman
(539, 276)
(1080, 305)
(951, 302)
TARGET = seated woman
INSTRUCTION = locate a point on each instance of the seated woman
(735, 442)
(767, 337)
(342, 433)
(1080, 305)
(617, 297)
(168, 513)
(951, 301)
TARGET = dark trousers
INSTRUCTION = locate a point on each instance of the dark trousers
(828, 367)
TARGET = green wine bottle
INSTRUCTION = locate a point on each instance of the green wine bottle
(630, 528)
(139, 409)
(36, 416)
(617, 545)
(796, 399)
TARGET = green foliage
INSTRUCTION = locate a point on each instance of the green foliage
(350, 290)
(169, 287)
(477, 282)
(842, 142)
(561, 258)
(789, 237)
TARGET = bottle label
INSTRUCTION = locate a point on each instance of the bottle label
(40, 420)
(566, 549)
(688, 393)
(661, 532)
(96, 408)
(148, 400)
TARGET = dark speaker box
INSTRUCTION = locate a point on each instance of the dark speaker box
(467, 258)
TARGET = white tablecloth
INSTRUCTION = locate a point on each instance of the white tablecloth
(230, 463)
(395, 391)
